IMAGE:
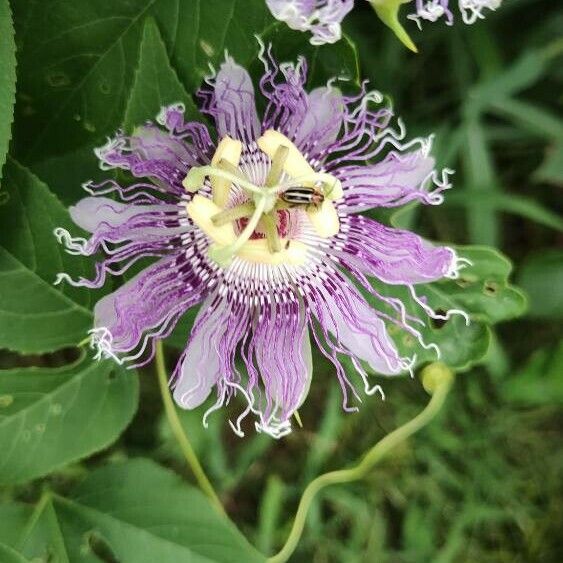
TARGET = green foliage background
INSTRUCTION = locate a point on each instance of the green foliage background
(89, 470)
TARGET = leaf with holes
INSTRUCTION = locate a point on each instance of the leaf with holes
(52, 416)
(482, 291)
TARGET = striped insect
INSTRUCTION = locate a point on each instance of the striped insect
(301, 195)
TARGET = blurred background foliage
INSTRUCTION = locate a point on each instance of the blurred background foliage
(484, 481)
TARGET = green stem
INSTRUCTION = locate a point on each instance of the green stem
(232, 214)
(178, 431)
(438, 382)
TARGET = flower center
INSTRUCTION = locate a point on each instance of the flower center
(256, 222)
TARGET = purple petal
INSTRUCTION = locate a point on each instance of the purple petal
(318, 128)
(393, 181)
(95, 214)
(281, 347)
(147, 306)
(344, 313)
(232, 104)
(311, 120)
(153, 153)
(394, 256)
(203, 362)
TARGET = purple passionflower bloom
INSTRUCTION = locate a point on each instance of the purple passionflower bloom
(323, 18)
(260, 225)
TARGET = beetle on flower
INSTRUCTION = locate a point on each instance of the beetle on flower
(262, 228)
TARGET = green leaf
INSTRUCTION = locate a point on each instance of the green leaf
(510, 203)
(77, 63)
(50, 417)
(551, 169)
(541, 276)
(138, 512)
(8, 81)
(527, 70)
(13, 517)
(539, 382)
(481, 179)
(156, 83)
(337, 60)
(30, 259)
(482, 291)
(529, 117)
(9, 555)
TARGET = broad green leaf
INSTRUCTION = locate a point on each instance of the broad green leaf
(483, 288)
(156, 83)
(541, 276)
(8, 80)
(39, 538)
(482, 291)
(339, 60)
(78, 58)
(138, 512)
(30, 259)
(13, 517)
(50, 417)
(9, 555)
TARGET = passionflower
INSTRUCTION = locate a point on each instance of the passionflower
(323, 18)
(258, 222)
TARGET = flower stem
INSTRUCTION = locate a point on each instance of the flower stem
(181, 437)
(437, 380)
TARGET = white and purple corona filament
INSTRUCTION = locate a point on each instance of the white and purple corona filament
(320, 17)
(471, 10)
(323, 18)
(221, 215)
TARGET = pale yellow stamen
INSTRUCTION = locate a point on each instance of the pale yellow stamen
(201, 209)
(228, 151)
(295, 163)
(324, 219)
